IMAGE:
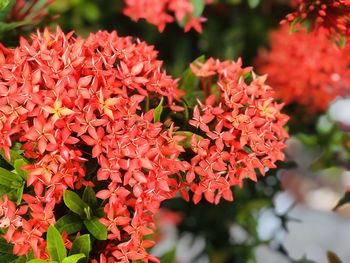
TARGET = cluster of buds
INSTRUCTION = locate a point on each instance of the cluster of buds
(332, 16)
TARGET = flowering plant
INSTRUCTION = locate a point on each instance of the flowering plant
(94, 135)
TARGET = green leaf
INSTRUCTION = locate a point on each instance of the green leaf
(168, 256)
(293, 28)
(73, 258)
(89, 197)
(186, 143)
(10, 179)
(7, 258)
(18, 164)
(36, 261)
(332, 257)
(198, 7)
(96, 228)
(5, 247)
(158, 111)
(189, 84)
(253, 3)
(74, 202)
(4, 4)
(11, 193)
(70, 224)
(15, 153)
(55, 244)
(5, 7)
(81, 244)
(20, 194)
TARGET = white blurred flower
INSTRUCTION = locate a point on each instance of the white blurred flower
(339, 111)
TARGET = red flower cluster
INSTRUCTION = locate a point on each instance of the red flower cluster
(62, 97)
(162, 12)
(71, 101)
(306, 69)
(242, 128)
(333, 16)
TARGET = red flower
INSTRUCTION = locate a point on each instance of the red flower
(242, 120)
(162, 12)
(64, 98)
(306, 69)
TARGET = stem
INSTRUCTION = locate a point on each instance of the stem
(147, 104)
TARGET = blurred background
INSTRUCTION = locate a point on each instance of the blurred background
(290, 215)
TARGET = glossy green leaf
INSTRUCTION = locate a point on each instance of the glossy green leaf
(36, 261)
(18, 164)
(73, 258)
(5, 7)
(81, 244)
(10, 179)
(96, 228)
(89, 197)
(20, 194)
(74, 202)
(198, 7)
(70, 223)
(190, 84)
(55, 244)
(158, 111)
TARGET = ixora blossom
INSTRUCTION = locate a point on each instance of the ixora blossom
(323, 74)
(333, 16)
(79, 116)
(162, 12)
(241, 127)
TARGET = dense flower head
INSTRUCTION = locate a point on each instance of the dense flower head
(241, 130)
(162, 12)
(332, 16)
(85, 112)
(306, 68)
(67, 101)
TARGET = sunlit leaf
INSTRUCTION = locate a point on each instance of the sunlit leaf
(55, 244)
(96, 228)
(73, 258)
(74, 202)
(158, 111)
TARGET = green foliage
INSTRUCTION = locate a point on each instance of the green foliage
(70, 223)
(96, 228)
(198, 7)
(158, 111)
(189, 83)
(73, 201)
(89, 197)
(81, 244)
(55, 245)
